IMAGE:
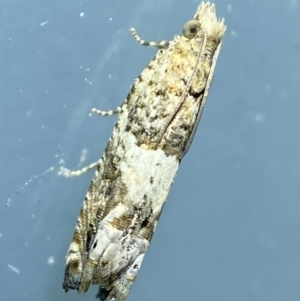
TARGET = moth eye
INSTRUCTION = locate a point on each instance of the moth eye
(191, 29)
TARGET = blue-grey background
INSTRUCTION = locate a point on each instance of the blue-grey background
(230, 228)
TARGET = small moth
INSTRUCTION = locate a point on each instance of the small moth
(156, 126)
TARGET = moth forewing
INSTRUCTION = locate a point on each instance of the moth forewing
(155, 128)
(205, 94)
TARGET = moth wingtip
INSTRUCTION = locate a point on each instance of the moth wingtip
(71, 281)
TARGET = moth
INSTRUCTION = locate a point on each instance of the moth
(155, 128)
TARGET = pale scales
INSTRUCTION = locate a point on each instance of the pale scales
(155, 128)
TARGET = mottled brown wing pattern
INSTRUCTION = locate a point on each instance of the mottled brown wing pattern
(154, 130)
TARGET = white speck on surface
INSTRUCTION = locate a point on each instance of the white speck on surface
(28, 113)
(8, 201)
(233, 33)
(110, 19)
(259, 118)
(51, 260)
(44, 23)
(61, 162)
(14, 269)
(81, 14)
(83, 157)
(86, 80)
(229, 8)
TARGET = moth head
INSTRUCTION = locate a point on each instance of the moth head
(191, 29)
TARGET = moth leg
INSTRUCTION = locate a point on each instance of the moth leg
(68, 173)
(107, 113)
(158, 44)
